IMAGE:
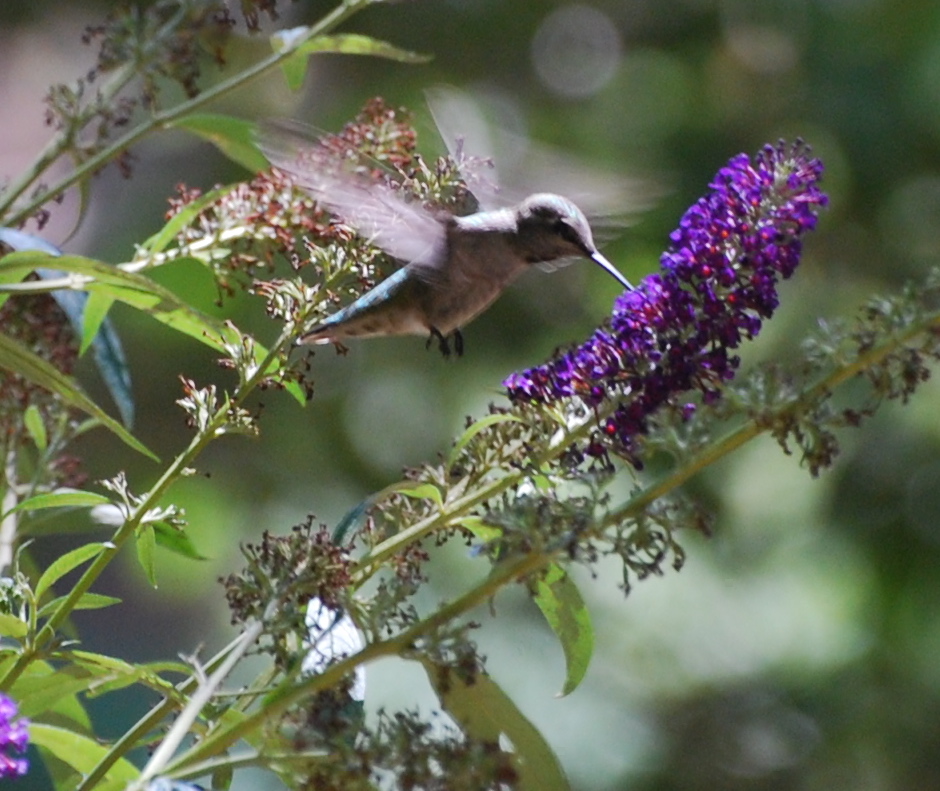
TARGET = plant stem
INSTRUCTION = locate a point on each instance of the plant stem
(150, 720)
(519, 567)
(165, 118)
(281, 700)
(213, 429)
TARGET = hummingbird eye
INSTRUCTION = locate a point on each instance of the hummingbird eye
(565, 231)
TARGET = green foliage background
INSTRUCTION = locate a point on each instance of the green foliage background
(799, 646)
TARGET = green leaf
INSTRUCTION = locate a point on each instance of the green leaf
(560, 602)
(111, 673)
(96, 308)
(234, 137)
(144, 294)
(45, 688)
(47, 692)
(16, 357)
(480, 529)
(87, 601)
(485, 712)
(103, 662)
(62, 498)
(99, 333)
(11, 626)
(81, 753)
(473, 430)
(423, 491)
(295, 66)
(64, 564)
(133, 289)
(176, 540)
(222, 778)
(183, 218)
(96, 601)
(36, 428)
(146, 542)
(109, 355)
(20, 240)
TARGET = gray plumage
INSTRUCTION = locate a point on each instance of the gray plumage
(454, 267)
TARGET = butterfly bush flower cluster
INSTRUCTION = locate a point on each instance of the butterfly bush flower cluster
(14, 737)
(676, 331)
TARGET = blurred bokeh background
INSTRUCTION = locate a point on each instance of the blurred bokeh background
(800, 646)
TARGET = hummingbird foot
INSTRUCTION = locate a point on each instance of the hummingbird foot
(443, 343)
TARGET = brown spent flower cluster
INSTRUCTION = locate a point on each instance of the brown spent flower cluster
(268, 217)
(39, 324)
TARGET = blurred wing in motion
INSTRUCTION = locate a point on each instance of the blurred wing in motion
(404, 230)
(523, 168)
(467, 136)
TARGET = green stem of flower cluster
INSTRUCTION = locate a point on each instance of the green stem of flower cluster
(218, 421)
(132, 738)
(758, 425)
(213, 429)
(462, 506)
(289, 694)
(214, 744)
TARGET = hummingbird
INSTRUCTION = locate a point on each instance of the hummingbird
(454, 267)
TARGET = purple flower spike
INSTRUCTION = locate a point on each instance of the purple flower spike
(718, 283)
(14, 737)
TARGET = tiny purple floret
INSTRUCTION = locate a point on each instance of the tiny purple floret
(674, 333)
(14, 738)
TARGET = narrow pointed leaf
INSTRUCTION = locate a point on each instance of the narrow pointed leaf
(36, 428)
(11, 626)
(109, 356)
(144, 294)
(43, 691)
(423, 491)
(479, 528)
(20, 240)
(87, 601)
(17, 358)
(62, 498)
(486, 712)
(109, 673)
(64, 564)
(81, 753)
(96, 309)
(234, 137)
(176, 540)
(146, 543)
(135, 290)
(295, 66)
(560, 602)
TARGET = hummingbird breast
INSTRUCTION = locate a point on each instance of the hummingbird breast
(481, 262)
(476, 263)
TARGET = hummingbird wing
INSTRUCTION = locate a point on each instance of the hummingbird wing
(467, 136)
(378, 213)
(520, 166)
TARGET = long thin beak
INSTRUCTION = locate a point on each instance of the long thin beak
(602, 262)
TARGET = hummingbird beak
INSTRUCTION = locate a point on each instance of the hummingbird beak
(602, 262)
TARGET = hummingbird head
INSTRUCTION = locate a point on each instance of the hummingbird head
(551, 227)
